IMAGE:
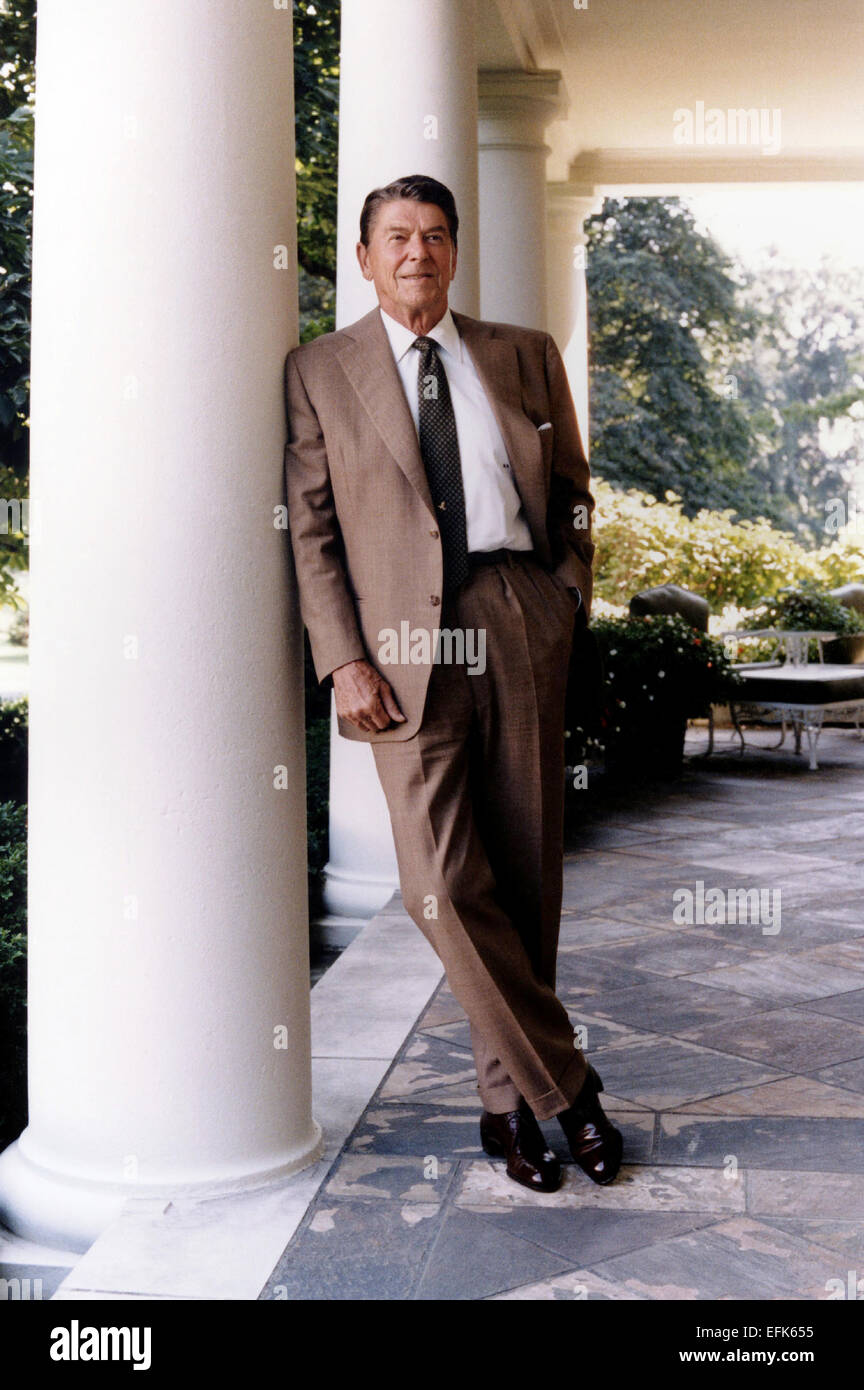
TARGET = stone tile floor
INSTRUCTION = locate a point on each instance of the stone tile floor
(732, 1056)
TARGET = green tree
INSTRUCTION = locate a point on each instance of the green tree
(739, 391)
(806, 387)
(316, 101)
(665, 324)
(316, 35)
(17, 59)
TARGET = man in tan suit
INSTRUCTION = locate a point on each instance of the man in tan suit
(440, 517)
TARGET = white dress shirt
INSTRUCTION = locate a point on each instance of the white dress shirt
(493, 509)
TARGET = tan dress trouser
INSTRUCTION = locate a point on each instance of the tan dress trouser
(476, 803)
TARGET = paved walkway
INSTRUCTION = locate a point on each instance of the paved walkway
(732, 1055)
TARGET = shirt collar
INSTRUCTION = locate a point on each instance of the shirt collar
(401, 338)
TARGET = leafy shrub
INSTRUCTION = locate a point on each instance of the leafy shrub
(658, 665)
(842, 562)
(13, 970)
(19, 632)
(642, 542)
(806, 609)
(656, 672)
(317, 804)
(13, 749)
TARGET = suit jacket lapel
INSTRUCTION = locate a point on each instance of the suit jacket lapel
(367, 361)
(498, 368)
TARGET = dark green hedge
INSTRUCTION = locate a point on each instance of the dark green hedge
(13, 750)
(13, 970)
(13, 919)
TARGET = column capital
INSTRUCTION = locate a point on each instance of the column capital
(569, 204)
(515, 107)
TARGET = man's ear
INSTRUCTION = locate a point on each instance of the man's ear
(363, 260)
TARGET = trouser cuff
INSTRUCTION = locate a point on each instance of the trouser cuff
(500, 1100)
(562, 1096)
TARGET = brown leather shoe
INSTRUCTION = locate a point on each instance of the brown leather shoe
(595, 1143)
(517, 1137)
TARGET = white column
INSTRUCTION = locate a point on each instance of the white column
(515, 108)
(169, 1007)
(568, 207)
(408, 105)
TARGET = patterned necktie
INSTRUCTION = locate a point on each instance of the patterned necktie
(439, 448)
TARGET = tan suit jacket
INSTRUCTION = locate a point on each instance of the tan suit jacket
(363, 528)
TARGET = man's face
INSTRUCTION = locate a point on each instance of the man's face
(411, 259)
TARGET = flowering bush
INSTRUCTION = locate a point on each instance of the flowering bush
(655, 667)
(658, 672)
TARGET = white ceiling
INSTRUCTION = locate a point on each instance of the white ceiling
(628, 65)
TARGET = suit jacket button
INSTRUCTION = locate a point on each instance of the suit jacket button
(434, 535)
(434, 600)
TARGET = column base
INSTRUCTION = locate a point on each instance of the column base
(356, 897)
(56, 1209)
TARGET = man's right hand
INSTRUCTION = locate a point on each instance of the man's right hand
(364, 698)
